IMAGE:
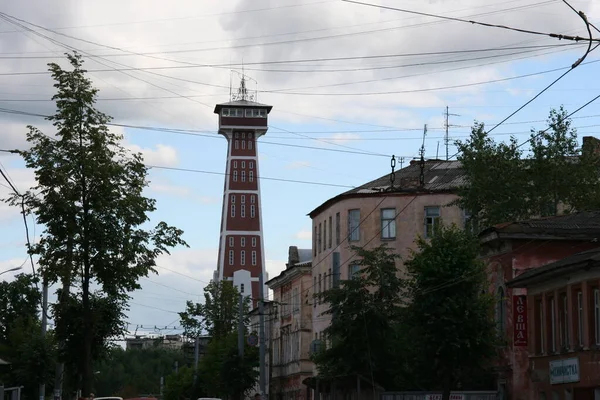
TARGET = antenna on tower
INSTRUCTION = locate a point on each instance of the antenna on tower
(242, 93)
(447, 125)
(422, 159)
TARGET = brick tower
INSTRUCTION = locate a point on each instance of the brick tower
(241, 248)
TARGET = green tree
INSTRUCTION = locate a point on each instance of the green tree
(366, 311)
(504, 185)
(449, 325)
(89, 198)
(218, 316)
(21, 343)
(179, 386)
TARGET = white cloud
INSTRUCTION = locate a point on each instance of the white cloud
(341, 138)
(161, 156)
(298, 165)
(303, 235)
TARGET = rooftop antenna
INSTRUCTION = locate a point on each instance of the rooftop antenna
(448, 125)
(422, 159)
(242, 93)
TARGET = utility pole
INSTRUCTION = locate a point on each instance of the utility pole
(447, 125)
(261, 336)
(44, 327)
(241, 327)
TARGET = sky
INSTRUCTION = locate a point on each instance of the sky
(350, 85)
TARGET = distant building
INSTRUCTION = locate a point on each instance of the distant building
(173, 342)
(521, 249)
(562, 324)
(241, 258)
(255, 330)
(292, 327)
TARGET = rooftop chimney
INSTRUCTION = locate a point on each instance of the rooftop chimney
(293, 256)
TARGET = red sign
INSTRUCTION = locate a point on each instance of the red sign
(520, 320)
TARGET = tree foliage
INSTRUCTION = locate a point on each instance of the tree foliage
(448, 323)
(89, 199)
(366, 311)
(503, 184)
(21, 343)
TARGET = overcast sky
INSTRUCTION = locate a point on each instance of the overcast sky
(342, 78)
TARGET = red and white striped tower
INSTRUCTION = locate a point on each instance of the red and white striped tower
(241, 247)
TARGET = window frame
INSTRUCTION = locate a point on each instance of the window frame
(388, 224)
(431, 220)
(354, 225)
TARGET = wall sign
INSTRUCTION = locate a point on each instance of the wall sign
(564, 371)
(520, 320)
(453, 396)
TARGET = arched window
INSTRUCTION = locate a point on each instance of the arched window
(242, 288)
(501, 311)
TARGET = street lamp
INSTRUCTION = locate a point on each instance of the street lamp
(11, 270)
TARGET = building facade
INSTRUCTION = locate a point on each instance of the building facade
(291, 328)
(379, 212)
(562, 325)
(512, 249)
(172, 342)
(241, 257)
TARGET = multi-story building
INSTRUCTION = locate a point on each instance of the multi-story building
(560, 323)
(241, 257)
(523, 247)
(381, 211)
(291, 328)
(173, 342)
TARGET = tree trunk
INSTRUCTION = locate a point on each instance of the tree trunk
(88, 336)
(64, 295)
(447, 387)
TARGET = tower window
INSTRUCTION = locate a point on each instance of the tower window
(251, 176)
(235, 176)
(252, 211)
(231, 257)
(251, 165)
(232, 210)
(243, 135)
(243, 211)
(249, 144)
(233, 199)
(243, 176)
(225, 112)
(243, 198)
(254, 258)
(243, 257)
(253, 242)
(241, 288)
(235, 164)
(243, 242)
(236, 144)
(243, 164)
(237, 135)
(243, 144)
(252, 199)
(250, 135)
(231, 241)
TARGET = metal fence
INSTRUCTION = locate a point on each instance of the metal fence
(10, 393)
(438, 396)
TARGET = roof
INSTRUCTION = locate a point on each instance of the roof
(581, 225)
(584, 260)
(305, 256)
(243, 104)
(439, 176)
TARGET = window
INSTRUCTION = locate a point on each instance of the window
(231, 257)
(315, 295)
(252, 199)
(469, 222)
(330, 278)
(225, 112)
(249, 144)
(250, 137)
(243, 241)
(295, 301)
(353, 270)
(243, 145)
(241, 288)
(253, 257)
(500, 312)
(319, 241)
(243, 257)
(243, 176)
(580, 318)
(320, 288)
(596, 316)
(252, 211)
(330, 240)
(251, 176)
(324, 235)
(243, 198)
(388, 223)
(541, 332)
(253, 242)
(243, 211)
(243, 162)
(248, 112)
(235, 176)
(251, 165)
(353, 225)
(236, 144)
(237, 135)
(235, 164)
(232, 210)
(432, 218)
(231, 241)
(337, 229)
(564, 322)
(552, 333)
(315, 242)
